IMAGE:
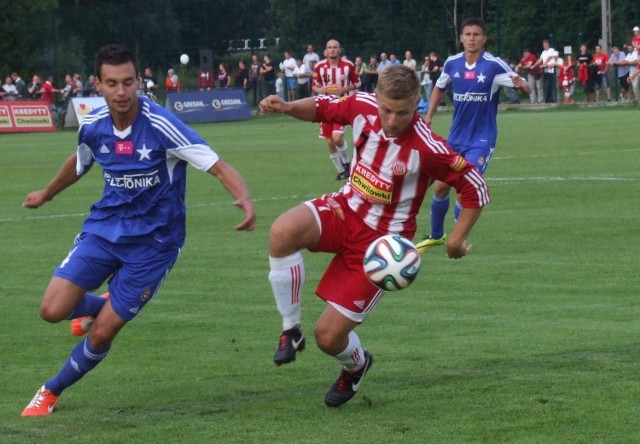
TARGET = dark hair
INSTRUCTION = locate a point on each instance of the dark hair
(114, 55)
(474, 21)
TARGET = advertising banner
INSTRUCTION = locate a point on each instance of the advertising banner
(79, 107)
(210, 106)
(25, 117)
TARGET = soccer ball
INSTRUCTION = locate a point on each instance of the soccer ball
(184, 59)
(391, 262)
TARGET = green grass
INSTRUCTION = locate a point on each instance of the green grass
(533, 338)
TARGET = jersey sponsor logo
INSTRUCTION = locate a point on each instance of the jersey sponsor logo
(124, 147)
(470, 97)
(457, 163)
(370, 186)
(133, 181)
(469, 75)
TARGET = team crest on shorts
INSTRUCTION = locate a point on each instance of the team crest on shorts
(481, 160)
(399, 168)
(144, 297)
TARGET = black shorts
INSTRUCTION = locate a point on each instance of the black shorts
(624, 82)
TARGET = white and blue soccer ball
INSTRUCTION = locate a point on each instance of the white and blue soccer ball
(391, 262)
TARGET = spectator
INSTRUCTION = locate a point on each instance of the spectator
(586, 73)
(310, 55)
(632, 60)
(371, 71)
(76, 90)
(223, 76)
(303, 75)
(635, 40)
(360, 66)
(601, 70)
(409, 61)
(617, 60)
(20, 85)
(68, 87)
(548, 77)
(566, 78)
(206, 80)
(425, 80)
(393, 59)
(280, 86)
(150, 83)
(254, 78)
(241, 76)
(268, 74)
(534, 75)
(172, 82)
(89, 89)
(48, 93)
(34, 88)
(287, 66)
(384, 61)
(9, 89)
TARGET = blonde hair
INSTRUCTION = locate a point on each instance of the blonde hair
(398, 82)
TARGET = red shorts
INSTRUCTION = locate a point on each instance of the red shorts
(327, 129)
(344, 283)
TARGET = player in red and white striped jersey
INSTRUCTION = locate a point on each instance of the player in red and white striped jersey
(396, 158)
(335, 76)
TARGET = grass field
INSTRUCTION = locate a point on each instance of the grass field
(533, 338)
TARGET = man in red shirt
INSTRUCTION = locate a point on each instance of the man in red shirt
(601, 59)
(396, 158)
(47, 92)
(534, 75)
(337, 77)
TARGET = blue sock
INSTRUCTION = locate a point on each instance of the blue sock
(439, 208)
(456, 211)
(89, 305)
(83, 359)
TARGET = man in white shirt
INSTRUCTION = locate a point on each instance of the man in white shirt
(548, 78)
(303, 74)
(287, 66)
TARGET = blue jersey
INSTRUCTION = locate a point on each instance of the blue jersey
(475, 98)
(144, 171)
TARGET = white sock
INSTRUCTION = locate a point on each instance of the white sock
(287, 279)
(353, 356)
(344, 154)
(335, 158)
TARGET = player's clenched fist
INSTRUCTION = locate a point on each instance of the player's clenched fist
(272, 104)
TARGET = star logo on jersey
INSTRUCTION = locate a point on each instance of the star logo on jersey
(144, 152)
(481, 78)
(372, 119)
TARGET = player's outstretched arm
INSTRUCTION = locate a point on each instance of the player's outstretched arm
(237, 188)
(457, 244)
(521, 84)
(66, 177)
(303, 109)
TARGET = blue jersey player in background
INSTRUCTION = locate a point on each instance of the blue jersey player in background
(475, 77)
(133, 234)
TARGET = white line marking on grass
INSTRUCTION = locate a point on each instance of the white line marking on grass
(605, 151)
(199, 205)
(559, 179)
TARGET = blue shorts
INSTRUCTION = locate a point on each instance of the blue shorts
(478, 157)
(135, 271)
(291, 83)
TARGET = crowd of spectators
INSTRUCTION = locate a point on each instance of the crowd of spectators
(549, 75)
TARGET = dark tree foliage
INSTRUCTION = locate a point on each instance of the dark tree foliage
(59, 36)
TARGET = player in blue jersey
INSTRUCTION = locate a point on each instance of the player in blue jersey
(475, 77)
(134, 233)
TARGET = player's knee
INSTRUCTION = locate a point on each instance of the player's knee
(326, 340)
(51, 314)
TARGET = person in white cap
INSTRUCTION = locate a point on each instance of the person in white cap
(635, 40)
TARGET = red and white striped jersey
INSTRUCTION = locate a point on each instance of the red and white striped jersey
(390, 176)
(344, 74)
